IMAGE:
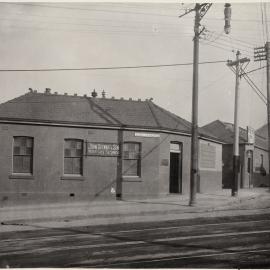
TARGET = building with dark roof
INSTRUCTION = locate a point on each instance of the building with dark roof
(61, 147)
(253, 155)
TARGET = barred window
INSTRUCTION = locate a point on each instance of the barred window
(23, 154)
(73, 157)
(131, 159)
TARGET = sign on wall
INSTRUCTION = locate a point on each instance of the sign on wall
(147, 135)
(250, 135)
(207, 156)
(102, 149)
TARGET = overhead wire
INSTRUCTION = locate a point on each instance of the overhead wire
(258, 93)
(110, 68)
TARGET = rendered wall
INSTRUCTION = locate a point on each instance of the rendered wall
(210, 164)
(48, 184)
(98, 181)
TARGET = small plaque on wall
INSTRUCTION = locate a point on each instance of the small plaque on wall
(164, 162)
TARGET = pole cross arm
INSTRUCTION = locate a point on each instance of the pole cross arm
(237, 62)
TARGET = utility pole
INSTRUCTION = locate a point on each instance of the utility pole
(260, 54)
(200, 11)
(194, 128)
(236, 157)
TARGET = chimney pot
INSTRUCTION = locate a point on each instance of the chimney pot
(130, 99)
(56, 93)
(103, 94)
(30, 90)
(139, 99)
(85, 95)
(122, 98)
(113, 97)
(65, 94)
(75, 94)
(47, 90)
(35, 91)
(94, 93)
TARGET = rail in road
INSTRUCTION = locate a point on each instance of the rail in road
(242, 242)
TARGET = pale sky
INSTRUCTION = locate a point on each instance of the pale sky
(82, 35)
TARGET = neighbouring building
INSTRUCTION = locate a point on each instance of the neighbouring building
(62, 148)
(252, 151)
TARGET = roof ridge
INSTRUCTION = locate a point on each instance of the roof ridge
(152, 112)
(174, 116)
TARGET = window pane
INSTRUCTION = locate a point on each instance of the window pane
(77, 166)
(23, 141)
(78, 152)
(29, 151)
(17, 141)
(27, 162)
(130, 167)
(67, 153)
(72, 144)
(29, 142)
(67, 144)
(17, 164)
(68, 166)
(16, 150)
(79, 145)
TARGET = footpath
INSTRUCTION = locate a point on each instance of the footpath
(170, 207)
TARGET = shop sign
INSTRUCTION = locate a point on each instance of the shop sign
(148, 135)
(250, 135)
(102, 149)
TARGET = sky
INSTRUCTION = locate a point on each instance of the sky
(74, 35)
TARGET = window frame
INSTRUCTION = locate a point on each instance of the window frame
(139, 160)
(73, 175)
(31, 171)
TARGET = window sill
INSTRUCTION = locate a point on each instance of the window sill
(131, 178)
(21, 176)
(72, 177)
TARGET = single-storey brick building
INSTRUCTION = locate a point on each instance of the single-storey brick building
(253, 156)
(62, 148)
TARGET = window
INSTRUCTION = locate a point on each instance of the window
(131, 159)
(23, 155)
(73, 157)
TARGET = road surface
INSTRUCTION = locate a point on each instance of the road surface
(220, 242)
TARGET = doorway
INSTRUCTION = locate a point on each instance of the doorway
(175, 167)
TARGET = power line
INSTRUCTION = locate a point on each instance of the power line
(107, 32)
(255, 69)
(261, 96)
(95, 10)
(229, 38)
(222, 43)
(109, 68)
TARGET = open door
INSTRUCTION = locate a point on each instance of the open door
(176, 167)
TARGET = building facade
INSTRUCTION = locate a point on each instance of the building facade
(65, 148)
(253, 155)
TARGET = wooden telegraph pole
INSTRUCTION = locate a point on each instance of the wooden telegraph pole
(236, 157)
(200, 11)
(263, 54)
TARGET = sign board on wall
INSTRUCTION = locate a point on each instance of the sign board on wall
(102, 149)
(148, 135)
(207, 156)
(250, 135)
